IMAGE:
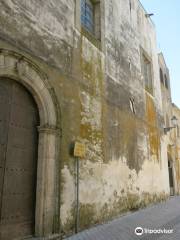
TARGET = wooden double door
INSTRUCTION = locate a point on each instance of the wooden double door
(19, 119)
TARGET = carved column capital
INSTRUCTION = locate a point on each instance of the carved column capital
(49, 130)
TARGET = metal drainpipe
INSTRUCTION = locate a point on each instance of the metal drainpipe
(77, 196)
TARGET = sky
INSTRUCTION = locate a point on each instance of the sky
(167, 20)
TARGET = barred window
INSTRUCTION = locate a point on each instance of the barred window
(87, 15)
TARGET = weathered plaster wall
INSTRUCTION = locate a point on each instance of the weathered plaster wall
(176, 148)
(124, 150)
(124, 167)
(168, 139)
(165, 92)
(44, 28)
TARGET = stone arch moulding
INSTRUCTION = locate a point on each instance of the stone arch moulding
(17, 67)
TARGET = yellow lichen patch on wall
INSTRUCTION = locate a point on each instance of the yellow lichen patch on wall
(177, 167)
(152, 128)
(92, 67)
(128, 125)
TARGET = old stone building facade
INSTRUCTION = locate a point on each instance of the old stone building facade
(167, 115)
(85, 71)
(171, 137)
(175, 137)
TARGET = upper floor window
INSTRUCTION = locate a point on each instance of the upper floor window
(147, 73)
(161, 76)
(166, 81)
(91, 20)
(167, 121)
(87, 15)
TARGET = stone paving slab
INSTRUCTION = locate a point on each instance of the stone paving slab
(161, 216)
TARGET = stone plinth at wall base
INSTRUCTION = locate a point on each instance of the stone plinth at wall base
(52, 237)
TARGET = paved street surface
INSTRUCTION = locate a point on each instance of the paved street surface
(163, 216)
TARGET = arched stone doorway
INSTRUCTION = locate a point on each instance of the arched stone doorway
(19, 119)
(21, 70)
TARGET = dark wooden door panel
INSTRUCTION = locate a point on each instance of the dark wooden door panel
(21, 119)
(5, 101)
(20, 230)
(18, 159)
(18, 154)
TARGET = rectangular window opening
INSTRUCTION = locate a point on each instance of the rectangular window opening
(87, 15)
(147, 74)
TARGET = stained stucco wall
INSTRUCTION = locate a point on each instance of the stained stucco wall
(168, 149)
(175, 138)
(124, 167)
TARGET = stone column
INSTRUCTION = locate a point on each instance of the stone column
(46, 180)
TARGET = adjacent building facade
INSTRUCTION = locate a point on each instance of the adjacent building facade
(171, 137)
(167, 116)
(88, 72)
(176, 149)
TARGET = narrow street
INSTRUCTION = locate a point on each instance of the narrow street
(162, 216)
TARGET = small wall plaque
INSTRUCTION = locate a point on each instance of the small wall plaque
(79, 150)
